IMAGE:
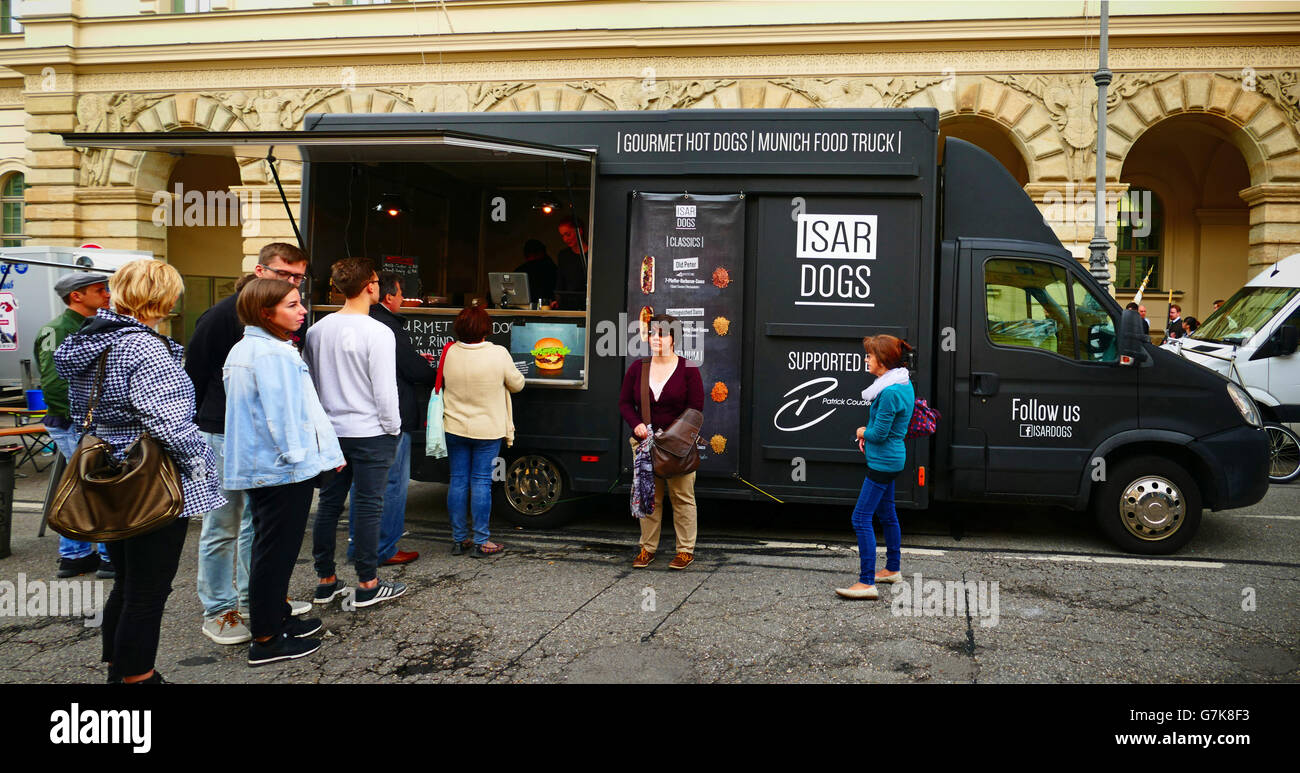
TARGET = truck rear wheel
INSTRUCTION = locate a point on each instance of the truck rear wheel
(1148, 505)
(532, 492)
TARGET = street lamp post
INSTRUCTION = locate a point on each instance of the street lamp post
(1099, 260)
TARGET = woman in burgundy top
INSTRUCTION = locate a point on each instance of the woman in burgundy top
(674, 387)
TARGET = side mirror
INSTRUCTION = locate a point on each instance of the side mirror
(1132, 335)
(1285, 340)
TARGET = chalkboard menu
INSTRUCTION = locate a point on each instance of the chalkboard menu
(685, 255)
(405, 266)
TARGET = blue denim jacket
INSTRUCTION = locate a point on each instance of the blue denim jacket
(276, 431)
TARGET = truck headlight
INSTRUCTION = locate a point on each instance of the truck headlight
(1247, 406)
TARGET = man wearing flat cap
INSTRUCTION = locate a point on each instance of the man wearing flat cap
(84, 294)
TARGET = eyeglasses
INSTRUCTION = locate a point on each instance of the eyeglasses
(291, 277)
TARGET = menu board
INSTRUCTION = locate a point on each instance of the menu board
(685, 256)
(407, 268)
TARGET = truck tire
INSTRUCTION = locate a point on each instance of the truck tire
(532, 493)
(1148, 505)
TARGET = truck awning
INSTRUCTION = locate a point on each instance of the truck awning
(330, 146)
(339, 146)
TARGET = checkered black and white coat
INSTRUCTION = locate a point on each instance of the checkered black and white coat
(145, 388)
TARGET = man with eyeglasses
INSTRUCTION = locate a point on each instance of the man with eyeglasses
(226, 541)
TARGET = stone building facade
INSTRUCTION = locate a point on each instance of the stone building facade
(1203, 144)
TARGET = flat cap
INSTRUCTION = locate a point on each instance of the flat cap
(76, 281)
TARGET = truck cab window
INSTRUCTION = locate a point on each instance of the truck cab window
(1027, 305)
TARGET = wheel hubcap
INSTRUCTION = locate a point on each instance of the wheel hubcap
(533, 484)
(1152, 508)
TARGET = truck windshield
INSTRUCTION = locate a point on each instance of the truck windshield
(1242, 316)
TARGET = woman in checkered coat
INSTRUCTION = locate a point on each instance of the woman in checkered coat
(145, 388)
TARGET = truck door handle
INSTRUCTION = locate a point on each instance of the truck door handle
(984, 384)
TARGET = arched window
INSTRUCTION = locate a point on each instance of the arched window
(11, 202)
(1138, 241)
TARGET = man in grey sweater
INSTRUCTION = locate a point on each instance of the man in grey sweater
(353, 364)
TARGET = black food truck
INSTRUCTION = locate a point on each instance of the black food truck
(779, 238)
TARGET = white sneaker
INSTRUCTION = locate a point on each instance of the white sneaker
(229, 628)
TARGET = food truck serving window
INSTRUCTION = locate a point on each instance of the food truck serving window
(464, 221)
(461, 219)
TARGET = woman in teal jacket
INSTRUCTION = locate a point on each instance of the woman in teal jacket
(890, 399)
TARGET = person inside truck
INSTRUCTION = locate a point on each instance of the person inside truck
(571, 273)
(540, 269)
(890, 400)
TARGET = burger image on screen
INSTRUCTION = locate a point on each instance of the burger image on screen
(548, 354)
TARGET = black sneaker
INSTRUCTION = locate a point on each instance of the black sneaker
(384, 591)
(327, 593)
(106, 570)
(155, 679)
(71, 567)
(283, 647)
(298, 628)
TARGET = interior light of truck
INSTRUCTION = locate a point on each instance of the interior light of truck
(392, 206)
(1249, 411)
(589, 458)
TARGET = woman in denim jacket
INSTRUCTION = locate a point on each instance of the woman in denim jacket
(278, 442)
(144, 389)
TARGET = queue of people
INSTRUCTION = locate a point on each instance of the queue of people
(256, 425)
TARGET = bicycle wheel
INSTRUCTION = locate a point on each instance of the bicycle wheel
(1284, 454)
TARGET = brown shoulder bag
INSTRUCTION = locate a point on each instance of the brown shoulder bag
(676, 450)
(100, 500)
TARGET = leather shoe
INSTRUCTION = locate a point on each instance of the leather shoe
(402, 557)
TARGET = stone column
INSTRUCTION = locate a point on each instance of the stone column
(51, 209)
(122, 217)
(265, 220)
(1274, 223)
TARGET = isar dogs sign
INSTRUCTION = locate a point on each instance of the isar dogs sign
(835, 238)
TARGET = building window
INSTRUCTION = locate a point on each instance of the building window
(11, 202)
(9, 23)
(1138, 242)
(191, 6)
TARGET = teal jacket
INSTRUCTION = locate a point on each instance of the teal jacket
(887, 421)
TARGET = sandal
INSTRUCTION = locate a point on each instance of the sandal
(484, 550)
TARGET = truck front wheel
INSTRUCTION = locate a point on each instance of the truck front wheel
(1148, 505)
(532, 492)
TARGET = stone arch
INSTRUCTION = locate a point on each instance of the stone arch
(545, 97)
(1031, 129)
(1264, 133)
(993, 136)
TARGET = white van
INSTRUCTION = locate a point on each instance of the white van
(1252, 340)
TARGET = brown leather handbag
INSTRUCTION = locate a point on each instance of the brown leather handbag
(676, 450)
(100, 500)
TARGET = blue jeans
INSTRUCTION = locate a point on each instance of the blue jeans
(876, 501)
(66, 441)
(471, 482)
(368, 460)
(225, 546)
(394, 521)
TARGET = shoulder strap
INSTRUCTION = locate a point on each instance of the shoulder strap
(645, 392)
(442, 359)
(96, 390)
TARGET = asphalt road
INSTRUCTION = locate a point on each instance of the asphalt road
(1057, 604)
